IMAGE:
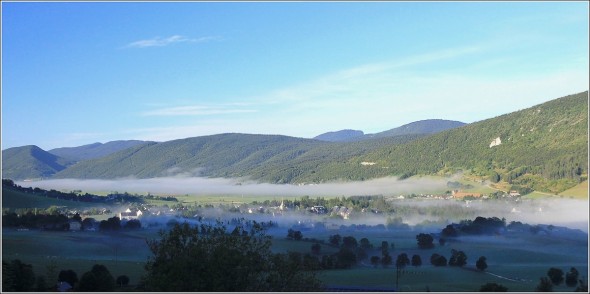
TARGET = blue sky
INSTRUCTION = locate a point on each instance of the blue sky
(79, 73)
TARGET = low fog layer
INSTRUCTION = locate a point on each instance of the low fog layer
(560, 212)
(221, 186)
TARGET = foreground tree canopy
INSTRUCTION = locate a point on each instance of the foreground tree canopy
(209, 258)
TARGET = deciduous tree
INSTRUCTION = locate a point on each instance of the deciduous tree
(544, 285)
(481, 263)
(208, 258)
(458, 258)
(556, 275)
(425, 241)
(416, 260)
(571, 277)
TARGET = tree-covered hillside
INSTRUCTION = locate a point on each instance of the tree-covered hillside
(94, 150)
(544, 147)
(340, 136)
(427, 126)
(30, 162)
(270, 158)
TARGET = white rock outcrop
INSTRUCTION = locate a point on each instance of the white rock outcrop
(495, 142)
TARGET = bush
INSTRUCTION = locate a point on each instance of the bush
(438, 260)
(492, 287)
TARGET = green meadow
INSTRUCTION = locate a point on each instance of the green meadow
(516, 261)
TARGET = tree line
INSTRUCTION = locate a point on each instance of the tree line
(86, 197)
(20, 277)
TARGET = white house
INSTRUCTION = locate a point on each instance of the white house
(130, 214)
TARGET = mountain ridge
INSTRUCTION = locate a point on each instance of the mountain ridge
(30, 161)
(94, 150)
(425, 126)
(544, 147)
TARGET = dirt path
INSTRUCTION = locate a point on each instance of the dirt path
(505, 278)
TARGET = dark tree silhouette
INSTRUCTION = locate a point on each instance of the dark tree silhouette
(386, 260)
(98, 279)
(88, 283)
(335, 240)
(133, 224)
(438, 260)
(111, 224)
(556, 275)
(385, 248)
(492, 287)
(571, 277)
(349, 242)
(17, 276)
(458, 258)
(225, 262)
(481, 263)
(402, 260)
(345, 258)
(416, 260)
(544, 285)
(68, 276)
(450, 231)
(122, 280)
(375, 260)
(425, 241)
(365, 244)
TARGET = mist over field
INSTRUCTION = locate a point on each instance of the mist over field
(560, 212)
(222, 186)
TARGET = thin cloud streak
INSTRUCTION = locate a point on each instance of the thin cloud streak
(161, 42)
(195, 110)
(355, 79)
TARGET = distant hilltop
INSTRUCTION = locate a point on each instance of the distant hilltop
(544, 147)
(428, 126)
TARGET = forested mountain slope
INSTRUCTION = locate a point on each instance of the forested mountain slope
(30, 162)
(544, 147)
(271, 158)
(427, 126)
(340, 136)
(94, 150)
(421, 127)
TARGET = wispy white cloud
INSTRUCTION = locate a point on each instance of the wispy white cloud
(161, 42)
(197, 110)
(379, 96)
(364, 78)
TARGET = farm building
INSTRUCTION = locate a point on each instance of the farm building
(130, 214)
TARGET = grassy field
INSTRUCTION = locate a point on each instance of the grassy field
(17, 199)
(122, 253)
(579, 191)
(515, 261)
